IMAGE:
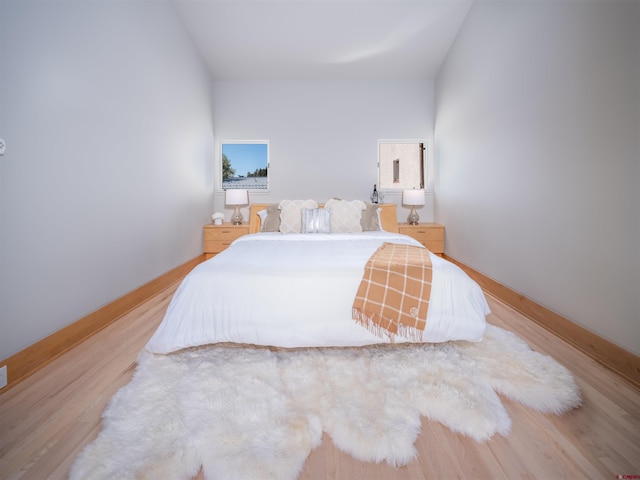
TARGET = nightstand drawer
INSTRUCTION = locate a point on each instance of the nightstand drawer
(217, 238)
(431, 235)
(436, 246)
(224, 234)
(216, 246)
(425, 234)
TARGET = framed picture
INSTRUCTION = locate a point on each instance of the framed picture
(244, 164)
(403, 164)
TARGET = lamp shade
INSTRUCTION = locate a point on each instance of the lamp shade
(236, 197)
(413, 197)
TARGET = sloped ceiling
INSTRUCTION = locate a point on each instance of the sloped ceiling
(323, 39)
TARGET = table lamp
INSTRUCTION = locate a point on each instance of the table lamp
(236, 198)
(413, 198)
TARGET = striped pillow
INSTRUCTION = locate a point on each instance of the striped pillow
(316, 220)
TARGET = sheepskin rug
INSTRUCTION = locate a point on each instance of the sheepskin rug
(243, 412)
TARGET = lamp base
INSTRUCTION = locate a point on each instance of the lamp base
(236, 218)
(413, 217)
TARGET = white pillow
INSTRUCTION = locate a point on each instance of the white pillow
(345, 215)
(316, 220)
(291, 214)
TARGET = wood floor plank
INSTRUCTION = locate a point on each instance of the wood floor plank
(46, 420)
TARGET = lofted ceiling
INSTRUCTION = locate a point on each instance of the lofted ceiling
(323, 39)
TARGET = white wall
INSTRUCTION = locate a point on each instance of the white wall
(537, 156)
(106, 182)
(323, 135)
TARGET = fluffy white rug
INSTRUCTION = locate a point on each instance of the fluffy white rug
(244, 412)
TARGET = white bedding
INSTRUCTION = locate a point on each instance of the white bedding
(297, 290)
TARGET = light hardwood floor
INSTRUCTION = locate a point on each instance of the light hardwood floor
(47, 419)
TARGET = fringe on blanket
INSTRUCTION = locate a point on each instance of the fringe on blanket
(374, 323)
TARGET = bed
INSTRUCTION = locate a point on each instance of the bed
(232, 410)
(293, 289)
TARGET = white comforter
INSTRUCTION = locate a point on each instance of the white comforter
(297, 290)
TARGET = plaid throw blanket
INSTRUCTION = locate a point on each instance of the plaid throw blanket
(393, 296)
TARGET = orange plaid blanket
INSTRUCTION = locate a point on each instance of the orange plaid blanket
(393, 297)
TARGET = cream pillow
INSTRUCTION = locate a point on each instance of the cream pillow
(291, 214)
(345, 215)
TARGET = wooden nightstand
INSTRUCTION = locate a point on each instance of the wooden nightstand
(219, 237)
(431, 235)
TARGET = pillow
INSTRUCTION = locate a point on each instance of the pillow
(345, 216)
(316, 220)
(270, 219)
(370, 219)
(291, 214)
